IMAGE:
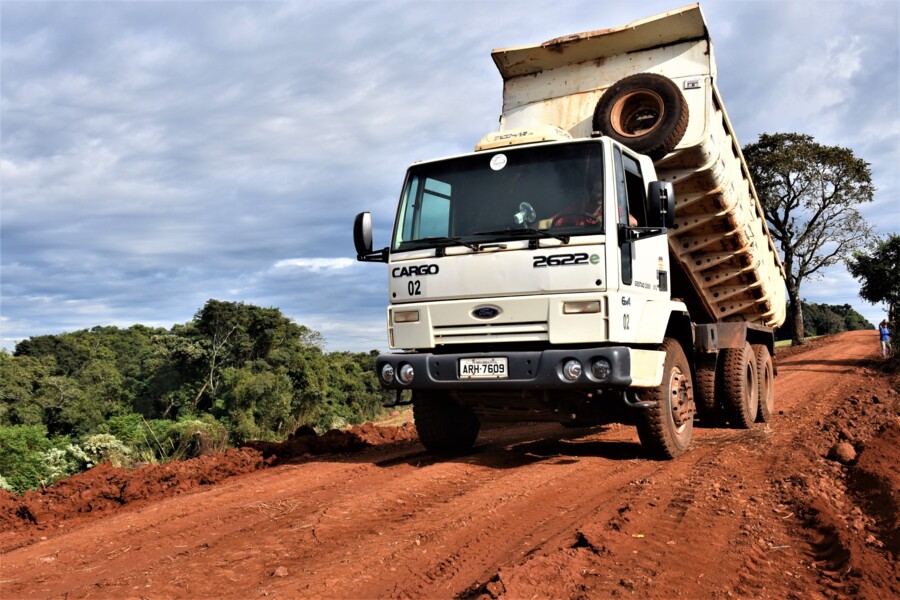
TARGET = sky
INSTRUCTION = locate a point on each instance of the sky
(159, 154)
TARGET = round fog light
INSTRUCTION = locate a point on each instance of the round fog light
(387, 373)
(601, 368)
(406, 373)
(572, 370)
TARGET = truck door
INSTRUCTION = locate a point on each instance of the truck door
(644, 250)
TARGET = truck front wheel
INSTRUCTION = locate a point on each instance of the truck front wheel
(665, 430)
(739, 381)
(445, 426)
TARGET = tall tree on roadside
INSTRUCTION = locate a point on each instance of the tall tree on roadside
(878, 270)
(809, 193)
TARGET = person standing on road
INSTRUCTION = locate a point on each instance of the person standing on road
(884, 332)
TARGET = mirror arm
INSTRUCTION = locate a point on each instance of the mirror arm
(377, 256)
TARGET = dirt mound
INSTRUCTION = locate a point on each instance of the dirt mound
(304, 442)
(105, 487)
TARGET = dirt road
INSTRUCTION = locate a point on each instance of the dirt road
(536, 511)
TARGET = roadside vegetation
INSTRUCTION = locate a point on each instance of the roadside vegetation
(234, 373)
(825, 319)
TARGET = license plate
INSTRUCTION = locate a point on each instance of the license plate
(484, 368)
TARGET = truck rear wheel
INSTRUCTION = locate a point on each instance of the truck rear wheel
(738, 386)
(665, 430)
(765, 383)
(445, 426)
(646, 112)
(705, 390)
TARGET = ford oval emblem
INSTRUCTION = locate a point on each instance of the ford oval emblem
(485, 312)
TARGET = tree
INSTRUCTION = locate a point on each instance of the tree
(809, 193)
(879, 272)
(24, 397)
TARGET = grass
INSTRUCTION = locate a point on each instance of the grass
(781, 343)
(404, 417)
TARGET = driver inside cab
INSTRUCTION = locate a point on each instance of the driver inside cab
(586, 212)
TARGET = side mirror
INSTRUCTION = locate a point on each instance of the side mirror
(362, 234)
(362, 239)
(661, 202)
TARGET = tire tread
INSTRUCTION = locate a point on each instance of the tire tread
(763, 361)
(660, 141)
(445, 427)
(732, 383)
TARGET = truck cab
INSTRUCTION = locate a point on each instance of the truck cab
(533, 230)
(529, 280)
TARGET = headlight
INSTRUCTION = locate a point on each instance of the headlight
(581, 308)
(406, 316)
(406, 373)
(387, 373)
(601, 369)
(572, 370)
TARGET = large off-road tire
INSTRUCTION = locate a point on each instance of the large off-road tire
(445, 426)
(765, 383)
(705, 390)
(665, 430)
(737, 380)
(646, 112)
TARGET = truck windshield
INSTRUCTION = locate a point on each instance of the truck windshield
(503, 194)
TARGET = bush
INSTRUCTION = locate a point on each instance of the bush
(197, 437)
(21, 456)
(193, 437)
(136, 433)
(100, 448)
(59, 463)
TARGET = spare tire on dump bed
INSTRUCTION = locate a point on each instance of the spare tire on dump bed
(645, 112)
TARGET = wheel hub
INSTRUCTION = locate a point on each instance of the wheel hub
(682, 412)
(637, 113)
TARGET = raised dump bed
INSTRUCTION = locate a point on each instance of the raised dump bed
(720, 237)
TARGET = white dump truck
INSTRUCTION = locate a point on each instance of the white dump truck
(601, 258)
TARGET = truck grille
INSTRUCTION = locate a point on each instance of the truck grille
(537, 331)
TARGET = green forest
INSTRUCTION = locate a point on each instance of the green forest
(235, 372)
(825, 319)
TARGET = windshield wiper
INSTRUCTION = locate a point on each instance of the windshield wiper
(526, 232)
(441, 242)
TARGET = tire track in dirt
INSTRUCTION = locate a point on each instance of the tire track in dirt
(715, 524)
(411, 512)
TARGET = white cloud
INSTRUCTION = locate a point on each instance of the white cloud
(821, 85)
(315, 264)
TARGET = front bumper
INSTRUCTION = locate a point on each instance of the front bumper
(528, 370)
